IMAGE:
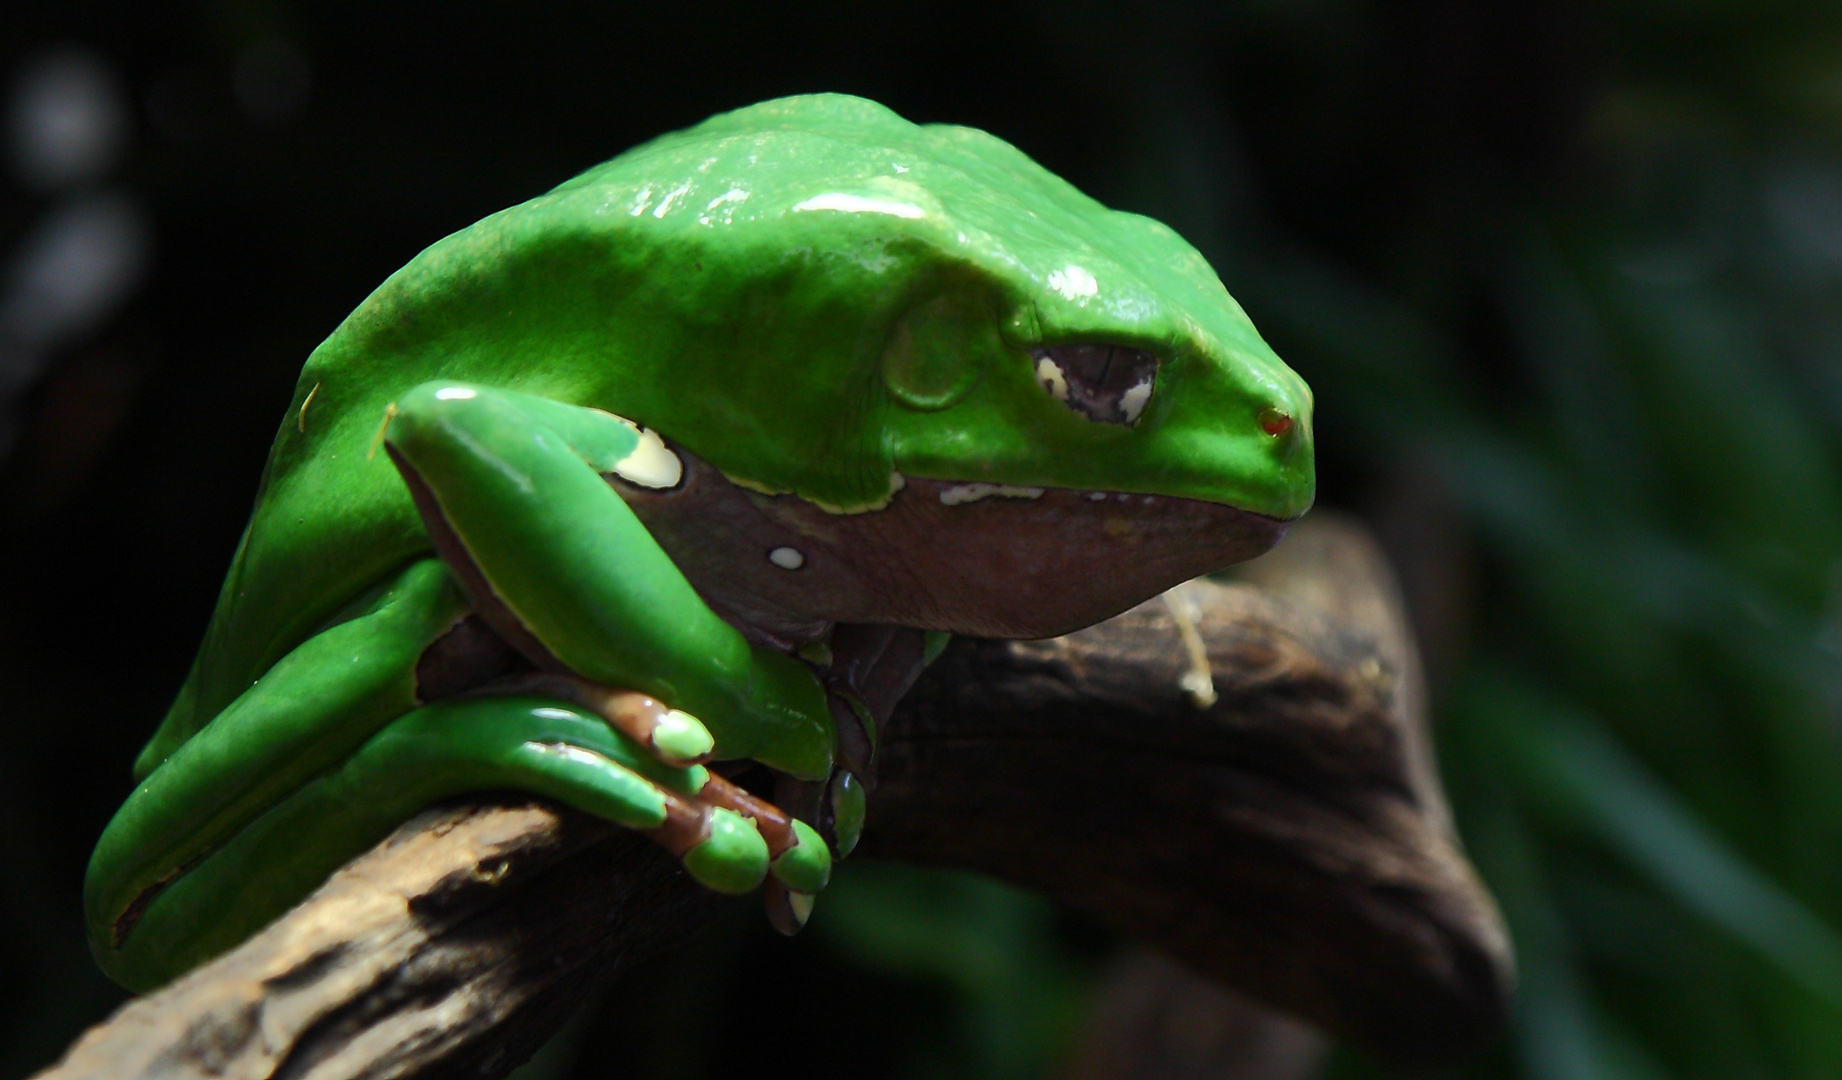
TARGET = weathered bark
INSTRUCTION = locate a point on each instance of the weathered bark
(1289, 841)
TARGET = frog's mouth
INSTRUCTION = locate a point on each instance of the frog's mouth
(971, 558)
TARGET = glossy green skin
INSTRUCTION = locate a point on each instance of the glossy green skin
(733, 286)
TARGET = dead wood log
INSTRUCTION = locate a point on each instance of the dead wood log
(1289, 841)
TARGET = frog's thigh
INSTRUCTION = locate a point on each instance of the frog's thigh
(511, 489)
(434, 753)
(306, 714)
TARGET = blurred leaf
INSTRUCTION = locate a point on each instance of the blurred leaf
(1582, 771)
(992, 944)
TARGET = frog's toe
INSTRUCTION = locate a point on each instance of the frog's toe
(799, 855)
(680, 737)
(798, 874)
(806, 866)
(592, 782)
(732, 857)
(673, 736)
(791, 850)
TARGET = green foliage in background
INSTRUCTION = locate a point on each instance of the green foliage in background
(1017, 987)
(1644, 739)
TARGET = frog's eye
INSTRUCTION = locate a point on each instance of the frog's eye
(1108, 383)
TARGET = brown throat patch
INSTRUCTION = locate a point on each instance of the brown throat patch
(941, 556)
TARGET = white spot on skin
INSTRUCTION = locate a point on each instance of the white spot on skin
(1096, 496)
(1073, 282)
(857, 204)
(650, 463)
(454, 393)
(1054, 380)
(1132, 402)
(787, 558)
(960, 494)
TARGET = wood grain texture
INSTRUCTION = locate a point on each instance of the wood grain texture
(1289, 841)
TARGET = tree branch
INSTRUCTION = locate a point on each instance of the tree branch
(1289, 841)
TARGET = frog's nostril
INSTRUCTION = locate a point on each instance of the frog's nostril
(1275, 422)
(1106, 383)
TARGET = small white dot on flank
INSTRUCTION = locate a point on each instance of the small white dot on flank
(786, 558)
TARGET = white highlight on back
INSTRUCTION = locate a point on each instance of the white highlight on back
(857, 204)
(672, 196)
(455, 393)
(1073, 282)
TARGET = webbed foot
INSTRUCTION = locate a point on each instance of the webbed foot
(729, 839)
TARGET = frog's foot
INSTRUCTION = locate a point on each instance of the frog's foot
(796, 861)
(801, 859)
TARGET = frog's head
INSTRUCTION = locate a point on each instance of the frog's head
(975, 397)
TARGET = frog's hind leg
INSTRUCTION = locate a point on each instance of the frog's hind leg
(306, 714)
(450, 748)
(340, 742)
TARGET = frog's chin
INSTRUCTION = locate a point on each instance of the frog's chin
(971, 558)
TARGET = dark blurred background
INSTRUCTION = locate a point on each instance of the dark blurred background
(1566, 276)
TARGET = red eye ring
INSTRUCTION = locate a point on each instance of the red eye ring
(1274, 422)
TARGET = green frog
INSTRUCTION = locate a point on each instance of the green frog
(653, 494)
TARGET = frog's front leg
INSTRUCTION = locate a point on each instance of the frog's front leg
(511, 488)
